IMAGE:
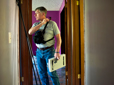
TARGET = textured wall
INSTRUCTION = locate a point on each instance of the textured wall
(62, 6)
(9, 62)
(99, 42)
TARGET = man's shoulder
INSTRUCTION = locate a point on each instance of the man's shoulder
(52, 22)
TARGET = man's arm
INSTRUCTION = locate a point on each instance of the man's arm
(32, 30)
(59, 41)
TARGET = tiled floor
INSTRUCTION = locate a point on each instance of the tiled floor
(61, 75)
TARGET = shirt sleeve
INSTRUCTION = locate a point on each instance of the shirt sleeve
(55, 28)
(35, 24)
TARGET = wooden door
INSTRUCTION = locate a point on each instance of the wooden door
(74, 42)
(25, 64)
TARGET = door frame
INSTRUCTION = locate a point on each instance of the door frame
(73, 38)
(74, 42)
(82, 40)
(26, 77)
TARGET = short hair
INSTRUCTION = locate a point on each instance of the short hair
(42, 9)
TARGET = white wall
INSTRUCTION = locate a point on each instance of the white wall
(9, 62)
(99, 42)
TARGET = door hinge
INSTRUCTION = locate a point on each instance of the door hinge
(21, 1)
(22, 79)
(66, 5)
(66, 73)
(77, 3)
(79, 76)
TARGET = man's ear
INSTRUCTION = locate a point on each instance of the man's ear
(43, 13)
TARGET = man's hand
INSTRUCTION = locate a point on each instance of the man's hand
(57, 55)
(45, 21)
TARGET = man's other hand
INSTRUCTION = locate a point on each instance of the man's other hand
(57, 55)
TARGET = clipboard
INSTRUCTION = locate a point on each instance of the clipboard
(55, 64)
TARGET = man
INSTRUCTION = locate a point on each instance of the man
(46, 51)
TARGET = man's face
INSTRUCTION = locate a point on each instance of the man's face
(38, 15)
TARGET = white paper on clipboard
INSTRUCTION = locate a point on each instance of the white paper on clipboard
(56, 65)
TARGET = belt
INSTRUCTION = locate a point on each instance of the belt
(46, 47)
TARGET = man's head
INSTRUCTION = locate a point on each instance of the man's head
(40, 13)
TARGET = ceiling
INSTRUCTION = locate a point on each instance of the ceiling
(50, 5)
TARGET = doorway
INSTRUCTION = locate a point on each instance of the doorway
(58, 17)
(71, 44)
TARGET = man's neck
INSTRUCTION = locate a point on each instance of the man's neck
(42, 19)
